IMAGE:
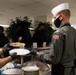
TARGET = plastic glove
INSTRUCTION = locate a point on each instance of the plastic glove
(7, 47)
(14, 56)
(33, 52)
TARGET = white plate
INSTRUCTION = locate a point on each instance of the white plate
(20, 51)
(30, 68)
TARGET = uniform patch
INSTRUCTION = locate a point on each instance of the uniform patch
(55, 37)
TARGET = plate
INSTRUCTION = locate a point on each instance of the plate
(20, 51)
(17, 44)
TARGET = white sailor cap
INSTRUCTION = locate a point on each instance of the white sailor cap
(59, 8)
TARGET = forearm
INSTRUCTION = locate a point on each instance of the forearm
(45, 58)
(4, 61)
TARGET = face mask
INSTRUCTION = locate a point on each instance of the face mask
(57, 22)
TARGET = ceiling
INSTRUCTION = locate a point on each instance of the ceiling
(9, 9)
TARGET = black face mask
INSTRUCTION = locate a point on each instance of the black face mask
(57, 22)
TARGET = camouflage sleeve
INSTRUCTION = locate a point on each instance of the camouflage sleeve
(56, 49)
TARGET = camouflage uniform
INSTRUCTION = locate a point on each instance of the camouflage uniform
(62, 49)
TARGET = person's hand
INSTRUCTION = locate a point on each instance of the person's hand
(1, 50)
(33, 52)
(6, 47)
(14, 55)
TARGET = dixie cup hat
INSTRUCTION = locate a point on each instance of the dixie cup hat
(59, 8)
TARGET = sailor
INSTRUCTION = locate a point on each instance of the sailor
(63, 48)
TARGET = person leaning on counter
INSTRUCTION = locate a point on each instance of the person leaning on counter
(4, 61)
(63, 48)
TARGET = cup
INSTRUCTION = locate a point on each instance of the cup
(34, 44)
(44, 44)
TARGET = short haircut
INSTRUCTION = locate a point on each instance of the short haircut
(66, 12)
(1, 28)
(41, 24)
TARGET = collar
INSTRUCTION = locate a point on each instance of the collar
(66, 24)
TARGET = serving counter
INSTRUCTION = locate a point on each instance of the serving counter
(44, 69)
